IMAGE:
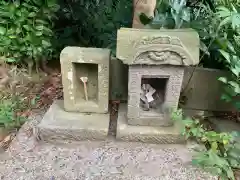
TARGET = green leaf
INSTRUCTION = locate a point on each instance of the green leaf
(46, 43)
(32, 14)
(39, 33)
(194, 131)
(27, 27)
(235, 20)
(12, 37)
(226, 55)
(226, 97)
(47, 31)
(231, 47)
(214, 146)
(144, 19)
(230, 173)
(235, 72)
(40, 21)
(11, 60)
(223, 79)
(224, 22)
(195, 162)
(235, 85)
(204, 48)
(2, 30)
(39, 27)
(223, 12)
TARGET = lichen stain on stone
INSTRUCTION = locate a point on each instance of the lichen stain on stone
(70, 75)
(99, 68)
(122, 127)
(81, 60)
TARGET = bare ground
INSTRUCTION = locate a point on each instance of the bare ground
(28, 159)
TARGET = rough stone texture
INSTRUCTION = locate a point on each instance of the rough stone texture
(58, 124)
(146, 134)
(93, 63)
(197, 92)
(28, 159)
(142, 6)
(172, 92)
(145, 46)
(225, 125)
(199, 96)
(118, 79)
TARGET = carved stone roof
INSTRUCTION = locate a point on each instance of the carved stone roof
(158, 47)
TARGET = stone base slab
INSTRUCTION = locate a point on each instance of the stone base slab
(58, 124)
(146, 134)
(162, 120)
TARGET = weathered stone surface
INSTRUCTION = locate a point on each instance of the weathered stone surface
(198, 95)
(225, 125)
(58, 124)
(136, 116)
(93, 63)
(196, 82)
(145, 46)
(146, 134)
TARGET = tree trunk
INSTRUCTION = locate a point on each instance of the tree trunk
(142, 6)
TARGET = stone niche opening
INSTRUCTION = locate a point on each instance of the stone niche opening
(91, 72)
(153, 94)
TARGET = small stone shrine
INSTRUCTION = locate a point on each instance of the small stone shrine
(83, 114)
(156, 60)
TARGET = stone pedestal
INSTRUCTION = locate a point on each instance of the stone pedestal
(146, 134)
(59, 125)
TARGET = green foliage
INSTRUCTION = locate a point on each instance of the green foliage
(218, 25)
(168, 14)
(9, 106)
(25, 29)
(229, 45)
(91, 23)
(221, 156)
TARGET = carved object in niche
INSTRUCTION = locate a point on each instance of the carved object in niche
(151, 98)
(84, 80)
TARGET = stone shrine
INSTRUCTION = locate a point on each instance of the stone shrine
(83, 114)
(156, 60)
(90, 63)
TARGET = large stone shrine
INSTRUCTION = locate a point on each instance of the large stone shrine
(83, 114)
(156, 60)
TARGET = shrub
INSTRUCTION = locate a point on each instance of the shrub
(221, 154)
(91, 23)
(26, 30)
